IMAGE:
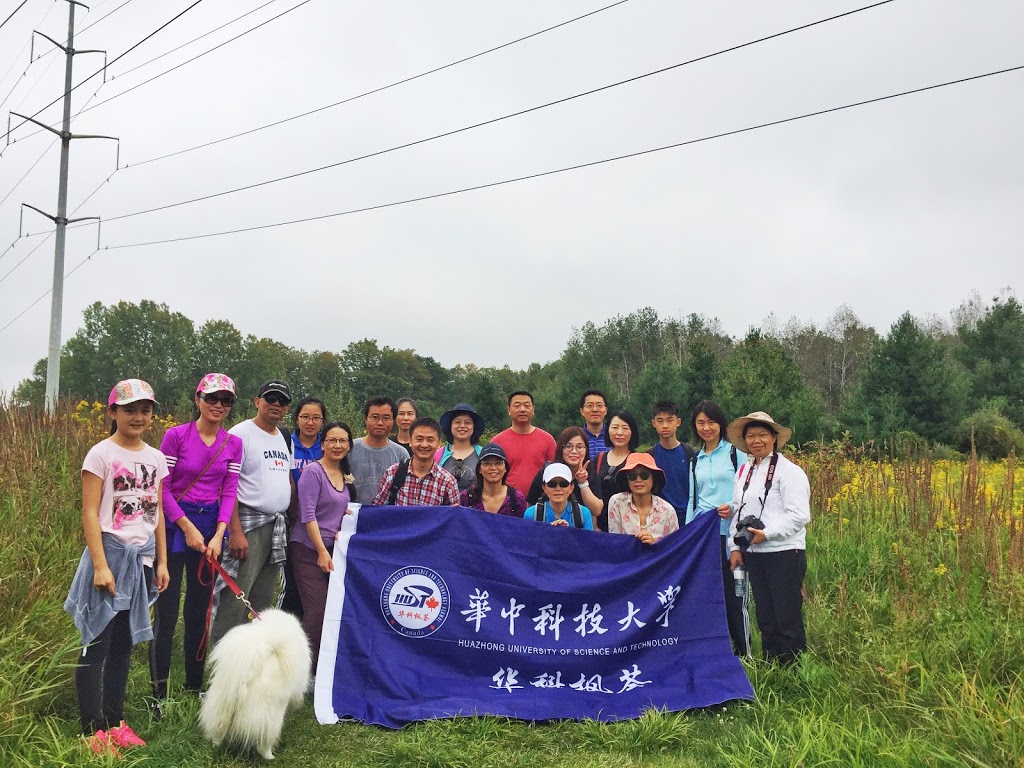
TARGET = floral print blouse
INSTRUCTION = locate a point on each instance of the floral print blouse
(624, 518)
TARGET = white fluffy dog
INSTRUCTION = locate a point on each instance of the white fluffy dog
(259, 669)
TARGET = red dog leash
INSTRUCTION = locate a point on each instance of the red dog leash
(215, 569)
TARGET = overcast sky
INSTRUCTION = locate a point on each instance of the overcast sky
(909, 204)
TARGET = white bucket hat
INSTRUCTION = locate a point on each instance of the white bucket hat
(735, 429)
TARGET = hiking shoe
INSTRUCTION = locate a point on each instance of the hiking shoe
(123, 736)
(101, 743)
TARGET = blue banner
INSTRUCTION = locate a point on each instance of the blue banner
(446, 611)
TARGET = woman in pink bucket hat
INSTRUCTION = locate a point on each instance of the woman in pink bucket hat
(637, 510)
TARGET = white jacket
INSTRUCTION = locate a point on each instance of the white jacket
(787, 510)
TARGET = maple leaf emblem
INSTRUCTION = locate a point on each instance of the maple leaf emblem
(432, 603)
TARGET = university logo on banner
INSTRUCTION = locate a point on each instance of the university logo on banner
(414, 601)
(446, 611)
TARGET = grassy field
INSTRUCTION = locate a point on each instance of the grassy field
(915, 616)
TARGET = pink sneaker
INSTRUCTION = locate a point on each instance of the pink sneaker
(123, 736)
(101, 743)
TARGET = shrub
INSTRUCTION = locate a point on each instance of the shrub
(992, 434)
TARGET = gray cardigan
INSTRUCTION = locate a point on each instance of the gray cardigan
(92, 609)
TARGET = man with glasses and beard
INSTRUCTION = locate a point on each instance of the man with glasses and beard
(257, 533)
(371, 456)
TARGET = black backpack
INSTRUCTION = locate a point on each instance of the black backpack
(398, 481)
(577, 514)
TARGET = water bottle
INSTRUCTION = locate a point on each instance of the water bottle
(739, 575)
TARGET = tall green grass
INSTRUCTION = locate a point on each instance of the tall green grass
(915, 616)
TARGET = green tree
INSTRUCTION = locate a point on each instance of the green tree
(829, 358)
(575, 372)
(992, 351)
(621, 346)
(370, 370)
(909, 384)
(700, 375)
(660, 380)
(761, 376)
(481, 388)
(219, 348)
(145, 340)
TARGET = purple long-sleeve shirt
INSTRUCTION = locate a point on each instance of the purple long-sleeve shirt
(186, 455)
(319, 501)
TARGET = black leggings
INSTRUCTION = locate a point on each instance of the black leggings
(165, 619)
(102, 676)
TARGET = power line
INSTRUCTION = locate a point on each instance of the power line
(86, 27)
(574, 167)
(26, 45)
(4, 22)
(377, 90)
(98, 188)
(73, 117)
(118, 58)
(182, 64)
(26, 309)
(194, 39)
(198, 56)
(31, 168)
(55, 141)
(25, 73)
(39, 78)
(50, 234)
(104, 17)
(533, 175)
(367, 93)
(495, 119)
(25, 257)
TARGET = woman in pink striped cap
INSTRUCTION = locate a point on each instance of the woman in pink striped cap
(198, 498)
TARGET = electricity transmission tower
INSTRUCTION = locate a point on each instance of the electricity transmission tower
(61, 218)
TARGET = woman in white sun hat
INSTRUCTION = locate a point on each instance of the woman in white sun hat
(770, 512)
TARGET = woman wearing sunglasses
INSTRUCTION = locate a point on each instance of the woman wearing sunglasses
(198, 496)
(571, 449)
(559, 509)
(636, 510)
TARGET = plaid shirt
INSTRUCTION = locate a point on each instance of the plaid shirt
(252, 519)
(438, 488)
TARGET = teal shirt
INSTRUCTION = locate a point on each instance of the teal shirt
(713, 478)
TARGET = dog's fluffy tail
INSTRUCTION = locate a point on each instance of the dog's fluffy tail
(258, 670)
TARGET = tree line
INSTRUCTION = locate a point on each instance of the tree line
(948, 383)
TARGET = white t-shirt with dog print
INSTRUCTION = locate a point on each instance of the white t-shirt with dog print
(131, 489)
